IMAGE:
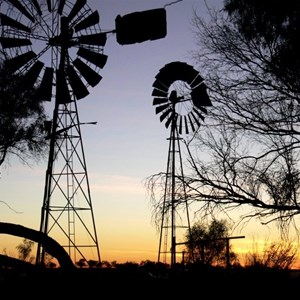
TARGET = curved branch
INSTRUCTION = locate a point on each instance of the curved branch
(53, 248)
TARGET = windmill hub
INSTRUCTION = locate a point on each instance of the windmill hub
(63, 40)
(174, 98)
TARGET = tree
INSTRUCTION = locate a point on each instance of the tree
(271, 23)
(93, 263)
(207, 245)
(275, 255)
(246, 153)
(24, 250)
(81, 263)
(22, 119)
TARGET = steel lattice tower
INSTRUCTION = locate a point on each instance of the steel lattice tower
(174, 223)
(67, 210)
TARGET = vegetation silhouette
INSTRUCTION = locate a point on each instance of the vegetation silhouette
(209, 245)
(23, 119)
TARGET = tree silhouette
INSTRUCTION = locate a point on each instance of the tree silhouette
(22, 119)
(247, 151)
(24, 250)
(207, 244)
(272, 24)
(81, 263)
(275, 255)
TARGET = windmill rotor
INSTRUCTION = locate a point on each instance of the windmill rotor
(38, 37)
(180, 92)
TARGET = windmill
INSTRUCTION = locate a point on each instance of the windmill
(180, 98)
(57, 47)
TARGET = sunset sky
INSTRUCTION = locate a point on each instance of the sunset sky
(127, 145)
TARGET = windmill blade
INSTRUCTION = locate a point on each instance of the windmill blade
(159, 93)
(77, 85)
(186, 125)
(196, 81)
(97, 59)
(161, 108)
(89, 21)
(180, 125)
(22, 9)
(163, 78)
(159, 85)
(203, 109)
(33, 73)
(157, 101)
(185, 72)
(62, 90)
(191, 123)
(76, 8)
(37, 7)
(91, 76)
(174, 71)
(198, 114)
(7, 21)
(165, 114)
(200, 96)
(49, 5)
(93, 39)
(18, 61)
(196, 120)
(45, 89)
(61, 6)
(168, 72)
(170, 118)
(190, 75)
(7, 42)
(177, 71)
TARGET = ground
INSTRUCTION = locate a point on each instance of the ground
(114, 284)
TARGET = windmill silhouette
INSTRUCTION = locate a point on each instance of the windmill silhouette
(180, 98)
(57, 46)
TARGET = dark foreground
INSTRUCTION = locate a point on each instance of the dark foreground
(117, 284)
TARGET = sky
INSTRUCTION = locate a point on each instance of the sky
(127, 145)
